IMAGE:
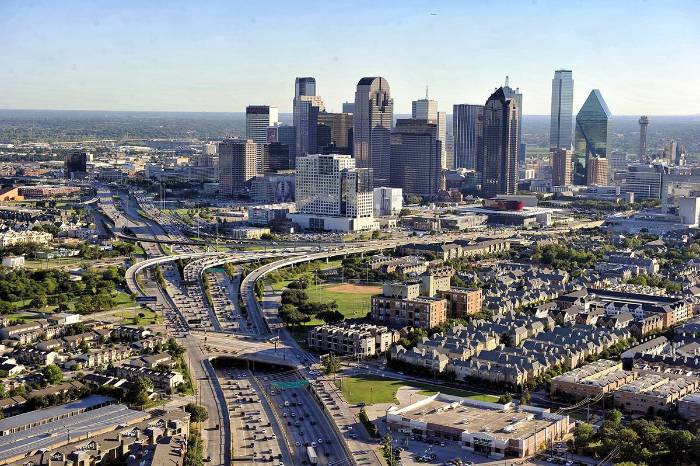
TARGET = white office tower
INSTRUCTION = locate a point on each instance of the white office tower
(426, 109)
(561, 117)
(257, 119)
(332, 194)
(387, 201)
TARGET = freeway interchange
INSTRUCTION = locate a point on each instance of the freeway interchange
(208, 321)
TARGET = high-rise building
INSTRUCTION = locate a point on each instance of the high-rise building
(643, 126)
(562, 166)
(561, 116)
(644, 180)
(275, 157)
(257, 119)
(332, 194)
(75, 164)
(372, 123)
(416, 158)
(304, 86)
(593, 124)
(515, 94)
(348, 107)
(334, 133)
(307, 106)
(468, 133)
(670, 152)
(500, 146)
(287, 135)
(426, 109)
(237, 165)
(598, 171)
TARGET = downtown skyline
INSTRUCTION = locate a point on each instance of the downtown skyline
(135, 58)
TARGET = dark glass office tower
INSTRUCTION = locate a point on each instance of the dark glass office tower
(500, 145)
(372, 123)
(592, 134)
(468, 132)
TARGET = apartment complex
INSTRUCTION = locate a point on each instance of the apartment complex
(352, 339)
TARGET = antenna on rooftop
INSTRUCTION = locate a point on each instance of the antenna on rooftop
(426, 92)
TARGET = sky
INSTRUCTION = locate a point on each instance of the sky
(203, 55)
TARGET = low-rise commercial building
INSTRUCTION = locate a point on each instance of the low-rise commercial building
(495, 430)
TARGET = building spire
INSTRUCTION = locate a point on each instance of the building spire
(426, 92)
(507, 81)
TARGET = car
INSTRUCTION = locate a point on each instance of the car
(442, 444)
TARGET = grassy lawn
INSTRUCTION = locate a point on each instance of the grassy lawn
(132, 317)
(123, 300)
(370, 389)
(352, 304)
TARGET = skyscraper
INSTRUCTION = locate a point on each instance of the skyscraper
(287, 135)
(307, 105)
(334, 133)
(426, 109)
(257, 119)
(562, 166)
(515, 94)
(237, 165)
(372, 123)
(593, 124)
(500, 146)
(348, 107)
(468, 134)
(561, 116)
(416, 157)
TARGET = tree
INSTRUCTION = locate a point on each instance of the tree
(505, 398)
(198, 413)
(53, 374)
(525, 397)
(614, 416)
(139, 392)
(583, 433)
(39, 302)
(331, 364)
(331, 317)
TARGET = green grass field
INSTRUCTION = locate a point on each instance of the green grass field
(371, 389)
(133, 318)
(354, 301)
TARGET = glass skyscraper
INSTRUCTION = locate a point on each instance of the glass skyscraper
(468, 133)
(593, 124)
(560, 131)
(500, 146)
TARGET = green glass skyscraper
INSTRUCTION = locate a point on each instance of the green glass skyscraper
(592, 134)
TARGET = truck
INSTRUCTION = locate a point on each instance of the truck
(311, 453)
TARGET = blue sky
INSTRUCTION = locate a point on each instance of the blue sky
(221, 55)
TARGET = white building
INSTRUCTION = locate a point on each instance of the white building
(333, 195)
(11, 237)
(13, 262)
(387, 201)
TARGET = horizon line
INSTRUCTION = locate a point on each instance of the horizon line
(290, 112)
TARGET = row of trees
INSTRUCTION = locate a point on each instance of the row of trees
(642, 442)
